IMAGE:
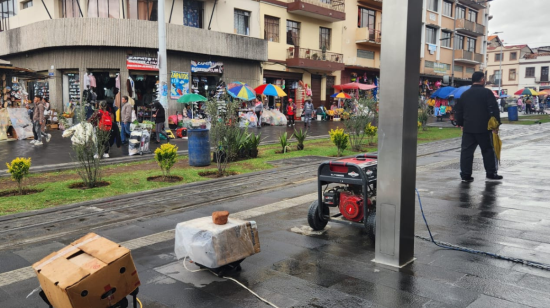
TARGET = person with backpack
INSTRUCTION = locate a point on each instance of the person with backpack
(103, 121)
(258, 109)
(308, 113)
(291, 111)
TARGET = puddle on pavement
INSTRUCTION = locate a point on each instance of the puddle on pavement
(307, 230)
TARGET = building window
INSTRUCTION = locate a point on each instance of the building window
(367, 18)
(530, 72)
(7, 9)
(472, 16)
(448, 8)
(497, 57)
(470, 70)
(512, 74)
(459, 42)
(446, 39)
(513, 56)
(431, 35)
(428, 64)
(108, 8)
(242, 22)
(544, 73)
(460, 12)
(365, 54)
(69, 9)
(271, 29)
(432, 5)
(324, 38)
(146, 9)
(292, 33)
(26, 5)
(471, 44)
(459, 68)
(193, 13)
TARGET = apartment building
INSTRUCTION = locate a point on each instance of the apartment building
(534, 70)
(115, 43)
(304, 45)
(468, 20)
(507, 57)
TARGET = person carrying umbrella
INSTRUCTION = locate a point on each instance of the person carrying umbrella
(473, 111)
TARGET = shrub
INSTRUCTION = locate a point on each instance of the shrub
(241, 140)
(340, 139)
(300, 136)
(19, 169)
(283, 139)
(166, 156)
(371, 132)
(419, 125)
(223, 130)
(253, 144)
(423, 114)
(355, 125)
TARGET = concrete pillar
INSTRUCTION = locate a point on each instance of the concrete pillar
(398, 132)
(55, 85)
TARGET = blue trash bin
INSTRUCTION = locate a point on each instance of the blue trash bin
(199, 147)
(513, 113)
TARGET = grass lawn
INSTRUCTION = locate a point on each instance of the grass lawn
(529, 120)
(132, 177)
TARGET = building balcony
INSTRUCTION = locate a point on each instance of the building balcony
(367, 36)
(469, 28)
(128, 33)
(474, 4)
(327, 10)
(314, 59)
(494, 80)
(468, 57)
(542, 79)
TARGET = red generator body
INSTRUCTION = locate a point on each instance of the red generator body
(350, 186)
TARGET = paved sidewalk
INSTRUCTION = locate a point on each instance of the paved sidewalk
(335, 269)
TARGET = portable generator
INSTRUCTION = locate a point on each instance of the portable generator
(350, 185)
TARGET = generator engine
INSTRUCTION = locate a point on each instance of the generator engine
(349, 201)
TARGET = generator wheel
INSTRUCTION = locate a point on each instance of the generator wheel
(370, 225)
(313, 219)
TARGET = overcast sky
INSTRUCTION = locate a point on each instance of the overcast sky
(522, 21)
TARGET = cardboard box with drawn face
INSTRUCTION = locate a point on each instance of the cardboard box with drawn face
(91, 272)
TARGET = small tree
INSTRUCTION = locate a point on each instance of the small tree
(340, 139)
(355, 125)
(423, 113)
(223, 130)
(371, 132)
(166, 156)
(19, 169)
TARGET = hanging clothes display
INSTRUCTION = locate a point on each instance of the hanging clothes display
(93, 83)
(117, 81)
(130, 87)
(86, 81)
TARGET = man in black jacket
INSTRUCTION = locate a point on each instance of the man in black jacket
(473, 111)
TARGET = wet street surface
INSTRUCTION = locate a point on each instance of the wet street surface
(335, 268)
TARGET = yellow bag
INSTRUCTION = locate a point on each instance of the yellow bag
(118, 115)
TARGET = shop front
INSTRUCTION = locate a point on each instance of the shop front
(206, 78)
(291, 83)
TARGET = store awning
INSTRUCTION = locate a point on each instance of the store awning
(22, 73)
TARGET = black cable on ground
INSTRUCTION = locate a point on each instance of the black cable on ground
(473, 251)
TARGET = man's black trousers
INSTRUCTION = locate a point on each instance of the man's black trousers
(470, 142)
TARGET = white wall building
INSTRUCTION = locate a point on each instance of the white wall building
(534, 71)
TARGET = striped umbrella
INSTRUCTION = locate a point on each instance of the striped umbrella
(241, 91)
(341, 95)
(270, 90)
(527, 91)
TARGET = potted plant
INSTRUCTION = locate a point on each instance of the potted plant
(315, 56)
(300, 136)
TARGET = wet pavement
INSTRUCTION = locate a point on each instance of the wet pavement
(58, 150)
(334, 269)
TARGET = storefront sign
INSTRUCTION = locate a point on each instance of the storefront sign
(207, 67)
(440, 68)
(142, 63)
(180, 84)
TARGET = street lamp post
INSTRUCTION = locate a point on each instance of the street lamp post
(500, 68)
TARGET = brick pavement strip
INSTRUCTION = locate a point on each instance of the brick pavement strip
(24, 273)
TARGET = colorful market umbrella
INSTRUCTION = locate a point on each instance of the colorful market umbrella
(443, 92)
(544, 92)
(190, 98)
(355, 86)
(270, 90)
(341, 95)
(458, 92)
(241, 91)
(527, 91)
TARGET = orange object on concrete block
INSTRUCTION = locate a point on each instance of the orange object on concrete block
(220, 217)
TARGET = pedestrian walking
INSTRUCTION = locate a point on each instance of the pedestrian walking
(473, 111)
(160, 118)
(126, 120)
(290, 111)
(259, 109)
(308, 113)
(37, 121)
(528, 105)
(520, 104)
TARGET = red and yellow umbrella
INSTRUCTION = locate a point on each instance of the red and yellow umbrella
(341, 95)
(527, 91)
(270, 90)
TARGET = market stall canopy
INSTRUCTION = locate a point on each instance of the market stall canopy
(544, 92)
(341, 95)
(354, 86)
(191, 97)
(526, 91)
(241, 91)
(458, 92)
(21, 73)
(443, 92)
(270, 90)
